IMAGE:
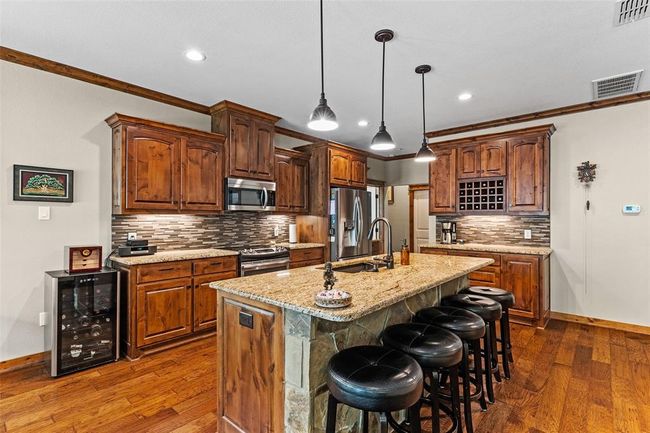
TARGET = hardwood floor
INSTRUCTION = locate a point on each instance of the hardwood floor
(567, 378)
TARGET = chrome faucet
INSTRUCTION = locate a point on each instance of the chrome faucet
(388, 259)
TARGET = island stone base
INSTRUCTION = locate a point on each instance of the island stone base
(311, 341)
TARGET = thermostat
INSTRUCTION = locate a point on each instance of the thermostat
(631, 209)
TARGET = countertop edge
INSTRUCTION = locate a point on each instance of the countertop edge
(342, 318)
(499, 249)
(183, 255)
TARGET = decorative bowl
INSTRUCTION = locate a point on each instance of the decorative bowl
(333, 298)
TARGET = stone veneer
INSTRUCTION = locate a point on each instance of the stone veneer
(500, 229)
(311, 341)
(232, 230)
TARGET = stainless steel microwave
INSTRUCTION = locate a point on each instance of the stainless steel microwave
(249, 195)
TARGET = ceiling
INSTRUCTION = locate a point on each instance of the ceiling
(514, 57)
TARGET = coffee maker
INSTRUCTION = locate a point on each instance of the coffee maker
(446, 233)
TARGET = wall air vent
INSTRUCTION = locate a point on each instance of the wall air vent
(616, 85)
(628, 11)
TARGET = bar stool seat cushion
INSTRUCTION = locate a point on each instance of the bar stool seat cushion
(504, 297)
(374, 378)
(431, 346)
(488, 309)
(465, 324)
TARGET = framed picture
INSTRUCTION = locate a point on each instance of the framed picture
(389, 194)
(42, 184)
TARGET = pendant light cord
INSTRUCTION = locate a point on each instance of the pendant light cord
(424, 128)
(322, 68)
(383, 68)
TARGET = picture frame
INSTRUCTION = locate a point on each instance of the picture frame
(390, 194)
(43, 184)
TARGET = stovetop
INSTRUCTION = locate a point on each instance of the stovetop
(248, 254)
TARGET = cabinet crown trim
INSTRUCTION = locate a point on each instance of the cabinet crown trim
(226, 105)
(119, 119)
(547, 129)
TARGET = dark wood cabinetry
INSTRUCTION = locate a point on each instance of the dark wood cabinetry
(165, 168)
(306, 257)
(249, 145)
(519, 158)
(442, 182)
(164, 304)
(250, 362)
(347, 169)
(291, 181)
(527, 276)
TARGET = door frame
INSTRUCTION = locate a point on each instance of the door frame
(412, 189)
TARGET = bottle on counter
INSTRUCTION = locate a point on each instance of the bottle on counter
(405, 254)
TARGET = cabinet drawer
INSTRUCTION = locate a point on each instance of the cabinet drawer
(163, 271)
(308, 254)
(487, 276)
(494, 256)
(214, 265)
(294, 265)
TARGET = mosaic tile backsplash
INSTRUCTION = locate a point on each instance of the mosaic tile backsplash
(500, 229)
(234, 230)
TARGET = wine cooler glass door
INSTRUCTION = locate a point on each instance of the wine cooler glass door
(87, 321)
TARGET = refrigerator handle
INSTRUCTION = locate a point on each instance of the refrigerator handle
(359, 218)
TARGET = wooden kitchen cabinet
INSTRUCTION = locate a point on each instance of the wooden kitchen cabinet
(162, 168)
(347, 169)
(250, 362)
(442, 182)
(249, 146)
(469, 161)
(493, 158)
(299, 258)
(527, 276)
(164, 310)
(291, 181)
(358, 171)
(528, 175)
(166, 304)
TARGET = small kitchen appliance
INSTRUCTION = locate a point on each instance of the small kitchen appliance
(136, 247)
(83, 327)
(254, 261)
(453, 233)
(350, 218)
(82, 259)
(250, 195)
(446, 233)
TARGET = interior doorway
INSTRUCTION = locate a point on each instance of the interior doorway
(418, 216)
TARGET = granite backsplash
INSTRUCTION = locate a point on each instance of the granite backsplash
(500, 229)
(234, 230)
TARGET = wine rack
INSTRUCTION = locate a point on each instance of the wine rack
(482, 195)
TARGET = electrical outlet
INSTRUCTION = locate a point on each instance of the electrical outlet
(276, 231)
(528, 234)
(131, 236)
(42, 319)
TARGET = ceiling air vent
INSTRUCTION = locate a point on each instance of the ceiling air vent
(630, 10)
(616, 85)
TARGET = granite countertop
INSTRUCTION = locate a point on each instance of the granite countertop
(174, 255)
(295, 289)
(300, 245)
(494, 248)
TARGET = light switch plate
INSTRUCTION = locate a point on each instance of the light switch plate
(528, 234)
(42, 319)
(43, 213)
(131, 236)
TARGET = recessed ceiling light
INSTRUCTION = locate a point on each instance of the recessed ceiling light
(362, 123)
(195, 55)
(465, 96)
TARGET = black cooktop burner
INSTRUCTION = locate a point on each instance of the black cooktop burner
(249, 254)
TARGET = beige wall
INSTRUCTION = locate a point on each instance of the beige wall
(52, 121)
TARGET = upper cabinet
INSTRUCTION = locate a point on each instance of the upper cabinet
(165, 168)
(249, 146)
(347, 168)
(481, 173)
(292, 181)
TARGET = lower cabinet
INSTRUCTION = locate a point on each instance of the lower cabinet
(526, 276)
(306, 257)
(164, 304)
(250, 366)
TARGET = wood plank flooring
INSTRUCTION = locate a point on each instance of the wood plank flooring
(566, 378)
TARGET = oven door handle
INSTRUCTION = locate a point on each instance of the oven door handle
(265, 199)
(264, 264)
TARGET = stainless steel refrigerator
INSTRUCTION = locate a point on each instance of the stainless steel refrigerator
(349, 223)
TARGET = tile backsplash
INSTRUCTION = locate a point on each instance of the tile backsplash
(233, 230)
(500, 229)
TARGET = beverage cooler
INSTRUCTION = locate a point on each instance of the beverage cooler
(82, 329)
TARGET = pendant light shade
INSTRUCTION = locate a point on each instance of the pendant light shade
(322, 118)
(382, 139)
(425, 154)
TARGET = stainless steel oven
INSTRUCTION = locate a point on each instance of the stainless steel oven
(250, 195)
(263, 260)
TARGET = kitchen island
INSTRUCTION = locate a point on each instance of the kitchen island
(273, 342)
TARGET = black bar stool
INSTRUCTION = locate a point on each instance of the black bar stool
(375, 379)
(507, 300)
(470, 328)
(436, 350)
(490, 312)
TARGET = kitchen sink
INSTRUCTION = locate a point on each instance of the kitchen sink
(358, 267)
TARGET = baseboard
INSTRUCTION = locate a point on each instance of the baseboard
(602, 323)
(21, 362)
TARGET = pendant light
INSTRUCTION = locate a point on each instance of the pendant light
(322, 118)
(382, 139)
(425, 154)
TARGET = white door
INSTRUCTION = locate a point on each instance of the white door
(420, 219)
